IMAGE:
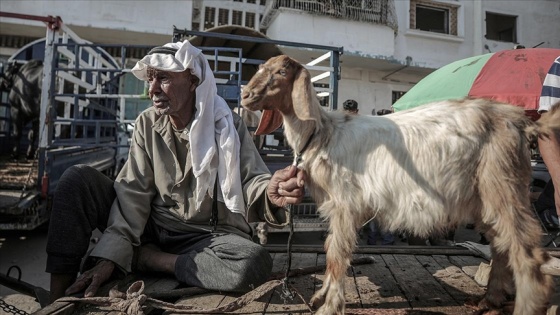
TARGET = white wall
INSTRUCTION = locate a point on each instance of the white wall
(432, 50)
(368, 95)
(150, 17)
(538, 21)
(357, 38)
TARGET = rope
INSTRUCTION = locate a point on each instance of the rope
(134, 301)
(287, 294)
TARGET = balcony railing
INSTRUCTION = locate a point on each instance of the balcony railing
(370, 11)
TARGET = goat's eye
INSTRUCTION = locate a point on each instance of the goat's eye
(282, 72)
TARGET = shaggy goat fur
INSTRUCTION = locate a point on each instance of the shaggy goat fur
(421, 171)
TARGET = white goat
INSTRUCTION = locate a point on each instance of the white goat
(420, 171)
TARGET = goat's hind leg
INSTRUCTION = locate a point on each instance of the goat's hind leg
(500, 282)
(533, 288)
(517, 244)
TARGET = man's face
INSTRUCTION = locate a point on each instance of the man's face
(172, 93)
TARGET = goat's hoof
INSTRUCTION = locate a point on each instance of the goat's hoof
(485, 307)
(324, 311)
(485, 304)
(317, 301)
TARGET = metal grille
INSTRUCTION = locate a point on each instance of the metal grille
(305, 218)
(371, 11)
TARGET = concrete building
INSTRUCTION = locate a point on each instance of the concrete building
(389, 45)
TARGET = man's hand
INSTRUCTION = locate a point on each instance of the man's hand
(286, 186)
(92, 279)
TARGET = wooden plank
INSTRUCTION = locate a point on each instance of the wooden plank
(203, 301)
(306, 287)
(458, 284)
(469, 264)
(58, 308)
(280, 261)
(377, 249)
(82, 308)
(351, 294)
(259, 306)
(215, 299)
(93, 310)
(254, 308)
(420, 288)
(377, 286)
(304, 284)
(161, 285)
(152, 283)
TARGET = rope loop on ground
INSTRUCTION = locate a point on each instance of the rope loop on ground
(134, 302)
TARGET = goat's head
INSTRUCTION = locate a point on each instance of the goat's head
(280, 83)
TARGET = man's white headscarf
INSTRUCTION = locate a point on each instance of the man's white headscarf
(212, 117)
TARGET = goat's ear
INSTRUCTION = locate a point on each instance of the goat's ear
(271, 120)
(303, 96)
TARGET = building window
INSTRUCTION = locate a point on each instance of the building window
(251, 1)
(434, 17)
(250, 19)
(209, 16)
(501, 27)
(223, 17)
(237, 0)
(395, 95)
(263, 2)
(237, 17)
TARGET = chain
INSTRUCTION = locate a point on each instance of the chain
(11, 309)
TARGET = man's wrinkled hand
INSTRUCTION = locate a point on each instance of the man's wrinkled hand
(286, 186)
(91, 280)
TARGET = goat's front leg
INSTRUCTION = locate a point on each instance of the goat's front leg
(339, 246)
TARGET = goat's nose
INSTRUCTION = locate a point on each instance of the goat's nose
(245, 93)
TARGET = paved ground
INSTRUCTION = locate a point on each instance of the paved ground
(25, 250)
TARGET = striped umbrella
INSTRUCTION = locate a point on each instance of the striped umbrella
(510, 76)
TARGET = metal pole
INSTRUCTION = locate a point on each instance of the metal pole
(47, 90)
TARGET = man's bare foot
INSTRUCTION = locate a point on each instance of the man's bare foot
(59, 283)
(150, 258)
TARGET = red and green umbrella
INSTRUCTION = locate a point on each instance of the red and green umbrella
(510, 76)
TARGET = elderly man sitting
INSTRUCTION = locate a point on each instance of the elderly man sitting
(184, 199)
